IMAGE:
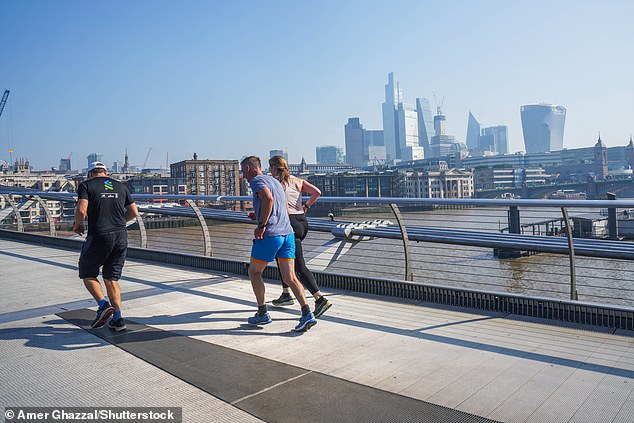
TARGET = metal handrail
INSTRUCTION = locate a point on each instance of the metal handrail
(509, 241)
(368, 200)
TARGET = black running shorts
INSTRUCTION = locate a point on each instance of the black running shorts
(107, 250)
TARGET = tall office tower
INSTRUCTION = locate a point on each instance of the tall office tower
(473, 135)
(496, 139)
(279, 152)
(500, 138)
(425, 125)
(393, 96)
(373, 137)
(354, 136)
(486, 144)
(407, 119)
(94, 157)
(64, 165)
(329, 154)
(441, 143)
(543, 127)
(117, 165)
(373, 148)
(341, 157)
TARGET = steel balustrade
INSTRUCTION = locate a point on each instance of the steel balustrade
(16, 211)
(573, 247)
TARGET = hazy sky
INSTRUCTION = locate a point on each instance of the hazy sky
(227, 79)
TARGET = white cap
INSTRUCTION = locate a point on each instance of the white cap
(96, 165)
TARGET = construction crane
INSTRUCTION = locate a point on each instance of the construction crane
(2, 103)
(439, 105)
(147, 156)
(4, 100)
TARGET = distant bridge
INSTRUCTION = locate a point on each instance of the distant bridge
(594, 189)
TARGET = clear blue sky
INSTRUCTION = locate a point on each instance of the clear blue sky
(227, 79)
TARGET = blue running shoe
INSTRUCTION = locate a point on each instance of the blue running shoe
(306, 322)
(103, 314)
(258, 319)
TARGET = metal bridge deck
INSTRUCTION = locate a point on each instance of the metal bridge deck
(489, 365)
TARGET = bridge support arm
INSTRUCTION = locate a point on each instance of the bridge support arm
(142, 230)
(16, 211)
(49, 216)
(571, 249)
(613, 223)
(203, 226)
(409, 276)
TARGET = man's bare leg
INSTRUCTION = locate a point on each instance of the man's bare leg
(103, 313)
(114, 293)
(257, 282)
(94, 287)
(287, 270)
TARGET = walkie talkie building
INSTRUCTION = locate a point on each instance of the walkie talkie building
(543, 127)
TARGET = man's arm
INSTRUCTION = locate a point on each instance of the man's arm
(81, 210)
(131, 211)
(266, 207)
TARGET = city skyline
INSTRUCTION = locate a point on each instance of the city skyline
(229, 80)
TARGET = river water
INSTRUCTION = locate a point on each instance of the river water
(547, 275)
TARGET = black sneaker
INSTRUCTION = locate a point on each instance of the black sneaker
(117, 325)
(321, 307)
(103, 314)
(284, 300)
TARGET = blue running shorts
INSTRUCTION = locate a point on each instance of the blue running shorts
(268, 249)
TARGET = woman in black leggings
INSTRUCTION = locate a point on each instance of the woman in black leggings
(294, 188)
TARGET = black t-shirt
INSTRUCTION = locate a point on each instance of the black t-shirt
(107, 200)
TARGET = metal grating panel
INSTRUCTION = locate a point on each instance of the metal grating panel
(270, 390)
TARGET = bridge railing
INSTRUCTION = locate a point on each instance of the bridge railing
(561, 249)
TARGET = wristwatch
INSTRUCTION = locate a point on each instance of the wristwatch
(261, 225)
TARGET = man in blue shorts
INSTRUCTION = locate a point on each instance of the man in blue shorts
(108, 205)
(274, 239)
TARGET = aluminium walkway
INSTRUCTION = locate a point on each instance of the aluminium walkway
(368, 358)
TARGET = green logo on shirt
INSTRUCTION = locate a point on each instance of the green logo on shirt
(108, 185)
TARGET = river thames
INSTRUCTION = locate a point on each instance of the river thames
(546, 275)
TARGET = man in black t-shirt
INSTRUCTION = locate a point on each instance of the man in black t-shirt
(108, 205)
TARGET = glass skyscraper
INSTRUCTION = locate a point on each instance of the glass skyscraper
(499, 137)
(329, 154)
(407, 119)
(279, 152)
(94, 157)
(473, 134)
(355, 137)
(543, 127)
(425, 124)
(441, 143)
(393, 96)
